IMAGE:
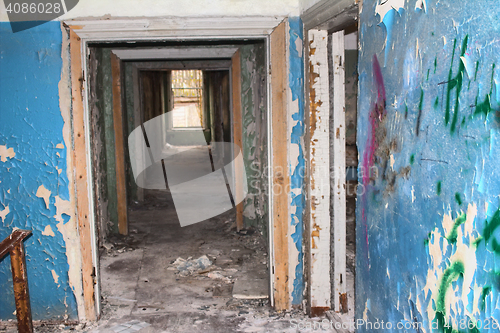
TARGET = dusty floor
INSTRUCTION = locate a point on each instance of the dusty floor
(143, 290)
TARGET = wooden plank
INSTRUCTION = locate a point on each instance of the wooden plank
(280, 173)
(339, 190)
(121, 177)
(237, 132)
(80, 166)
(319, 185)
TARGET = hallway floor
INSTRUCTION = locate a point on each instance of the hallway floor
(141, 280)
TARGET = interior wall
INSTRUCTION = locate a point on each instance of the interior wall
(429, 122)
(103, 143)
(36, 171)
(254, 125)
(129, 118)
(98, 130)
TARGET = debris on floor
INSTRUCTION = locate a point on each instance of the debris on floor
(130, 327)
(189, 266)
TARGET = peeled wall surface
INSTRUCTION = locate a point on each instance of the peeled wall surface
(33, 178)
(254, 118)
(428, 217)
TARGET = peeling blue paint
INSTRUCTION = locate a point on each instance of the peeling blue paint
(32, 124)
(403, 210)
(296, 83)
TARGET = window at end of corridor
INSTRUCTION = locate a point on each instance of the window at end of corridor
(188, 99)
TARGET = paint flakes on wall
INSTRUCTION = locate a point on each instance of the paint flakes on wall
(442, 271)
(42, 192)
(449, 261)
(296, 131)
(48, 231)
(384, 7)
(6, 153)
(4, 212)
(55, 277)
(33, 124)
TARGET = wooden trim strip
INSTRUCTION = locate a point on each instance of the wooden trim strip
(281, 177)
(121, 177)
(80, 165)
(237, 130)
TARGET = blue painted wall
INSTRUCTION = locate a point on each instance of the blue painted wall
(428, 222)
(31, 124)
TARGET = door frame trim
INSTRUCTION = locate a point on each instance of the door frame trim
(84, 32)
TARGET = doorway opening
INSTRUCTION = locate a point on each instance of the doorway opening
(188, 99)
(149, 264)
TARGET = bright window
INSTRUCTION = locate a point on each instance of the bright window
(188, 99)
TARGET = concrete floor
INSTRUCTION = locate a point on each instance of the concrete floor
(139, 282)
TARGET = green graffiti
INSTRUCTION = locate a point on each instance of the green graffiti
(452, 273)
(412, 159)
(438, 189)
(484, 293)
(458, 199)
(452, 236)
(427, 239)
(455, 83)
(475, 74)
(420, 107)
(489, 230)
(406, 111)
(436, 103)
(435, 64)
(428, 71)
(485, 106)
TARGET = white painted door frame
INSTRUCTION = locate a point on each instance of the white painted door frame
(157, 29)
(325, 191)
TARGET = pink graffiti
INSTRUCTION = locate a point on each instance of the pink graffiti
(376, 115)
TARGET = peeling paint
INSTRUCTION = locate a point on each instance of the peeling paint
(4, 213)
(43, 193)
(55, 277)
(425, 217)
(6, 153)
(296, 131)
(48, 231)
(35, 125)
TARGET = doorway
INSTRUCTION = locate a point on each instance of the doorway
(150, 268)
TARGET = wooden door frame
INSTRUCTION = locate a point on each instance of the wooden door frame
(81, 33)
(324, 20)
